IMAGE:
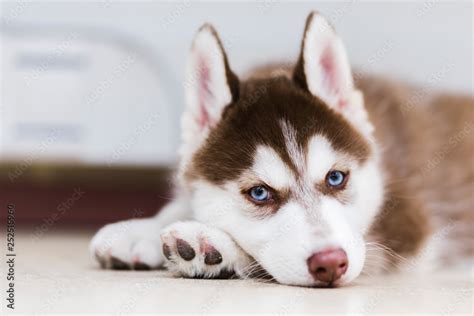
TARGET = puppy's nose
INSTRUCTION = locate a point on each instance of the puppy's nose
(328, 265)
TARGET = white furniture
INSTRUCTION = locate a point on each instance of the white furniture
(84, 96)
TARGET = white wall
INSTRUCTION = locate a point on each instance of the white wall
(429, 43)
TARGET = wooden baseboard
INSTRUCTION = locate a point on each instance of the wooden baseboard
(57, 195)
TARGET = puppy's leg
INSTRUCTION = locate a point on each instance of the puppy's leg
(136, 243)
(193, 249)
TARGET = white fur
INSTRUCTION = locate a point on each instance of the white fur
(344, 233)
(335, 87)
(206, 56)
(292, 148)
(273, 242)
(321, 157)
(129, 241)
(367, 182)
(321, 39)
(269, 167)
(137, 240)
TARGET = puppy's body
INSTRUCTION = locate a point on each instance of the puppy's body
(301, 173)
(427, 156)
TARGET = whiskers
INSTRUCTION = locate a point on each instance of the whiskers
(380, 258)
(255, 271)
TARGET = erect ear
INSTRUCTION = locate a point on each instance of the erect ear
(323, 69)
(210, 85)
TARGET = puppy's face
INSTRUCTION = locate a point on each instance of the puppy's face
(286, 166)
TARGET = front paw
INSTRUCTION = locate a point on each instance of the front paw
(132, 244)
(196, 250)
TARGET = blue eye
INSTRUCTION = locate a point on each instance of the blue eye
(336, 179)
(259, 193)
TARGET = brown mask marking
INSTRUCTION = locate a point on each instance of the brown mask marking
(249, 122)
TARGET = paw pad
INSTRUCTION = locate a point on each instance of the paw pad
(167, 251)
(185, 250)
(212, 256)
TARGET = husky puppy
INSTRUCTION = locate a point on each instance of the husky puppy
(306, 176)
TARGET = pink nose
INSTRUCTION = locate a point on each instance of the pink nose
(328, 265)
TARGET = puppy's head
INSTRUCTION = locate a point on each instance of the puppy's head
(286, 165)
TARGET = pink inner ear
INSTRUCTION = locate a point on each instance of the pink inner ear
(203, 82)
(330, 71)
(341, 104)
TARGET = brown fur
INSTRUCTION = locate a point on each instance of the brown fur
(428, 157)
(250, 122)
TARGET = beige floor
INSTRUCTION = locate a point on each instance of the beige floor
(55, 274)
